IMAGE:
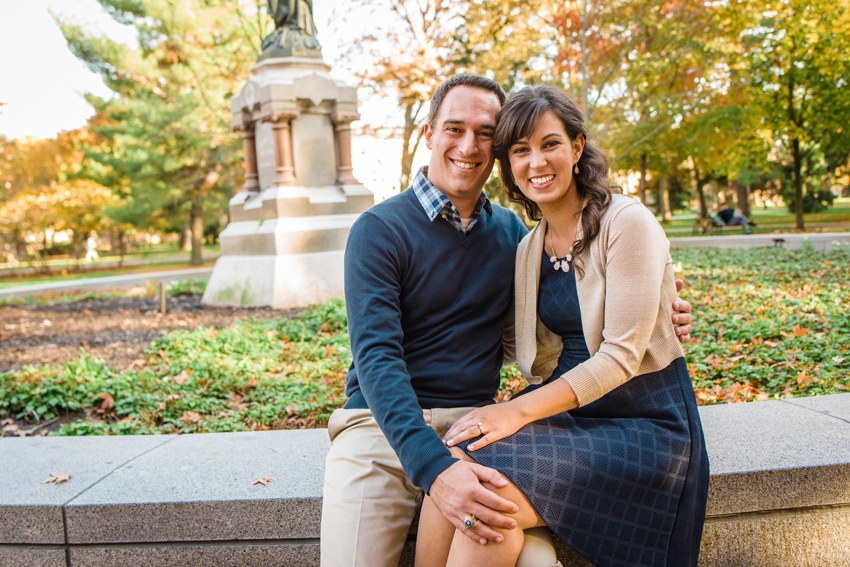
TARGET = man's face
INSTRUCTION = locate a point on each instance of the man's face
(461, 158)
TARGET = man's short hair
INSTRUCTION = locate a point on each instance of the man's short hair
(475, 81)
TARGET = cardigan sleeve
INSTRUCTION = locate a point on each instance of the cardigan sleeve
(634, 254)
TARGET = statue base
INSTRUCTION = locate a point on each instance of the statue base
(285, 243)
(285, 246)
(290, 42)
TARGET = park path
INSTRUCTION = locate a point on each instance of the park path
(104, 264)
(93, 282)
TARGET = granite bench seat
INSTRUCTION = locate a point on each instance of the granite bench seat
(779, 494)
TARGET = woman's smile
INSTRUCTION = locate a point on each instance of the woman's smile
(542, 181)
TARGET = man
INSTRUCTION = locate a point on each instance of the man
(428, 286)
(731, 218)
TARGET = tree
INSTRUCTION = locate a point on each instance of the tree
(163, 142)
(798, 54)
(41, 192)
(408, 57)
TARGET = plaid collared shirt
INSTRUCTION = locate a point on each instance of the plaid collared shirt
(437, 204)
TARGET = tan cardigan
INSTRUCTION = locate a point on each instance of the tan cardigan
(626, 296)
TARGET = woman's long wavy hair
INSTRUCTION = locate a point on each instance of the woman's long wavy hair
(517, 119)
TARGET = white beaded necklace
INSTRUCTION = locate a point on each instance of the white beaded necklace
(561, 263)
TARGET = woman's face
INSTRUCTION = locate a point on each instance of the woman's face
(542, 163)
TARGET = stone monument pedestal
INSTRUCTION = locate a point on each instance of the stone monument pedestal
(285, 243)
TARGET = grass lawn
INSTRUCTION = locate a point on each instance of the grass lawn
(128, 270)
(152, 254)
(774, 219)
(770, 323)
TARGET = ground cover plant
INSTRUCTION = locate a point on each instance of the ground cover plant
(772, 323)
(254, 375)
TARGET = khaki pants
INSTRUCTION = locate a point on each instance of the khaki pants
(369, 503)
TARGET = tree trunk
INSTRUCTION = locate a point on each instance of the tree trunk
(122, 247)
(703, 207)
(642, 185)
(198, 196)
(585, 75)
(186, 238)
(742, 197)
(197, 231)
(664, 199)
(412, 107)
(798, 184)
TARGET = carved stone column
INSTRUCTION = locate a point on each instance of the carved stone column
(342, 125)
(284, 172)
(285, 244)
(249, 148)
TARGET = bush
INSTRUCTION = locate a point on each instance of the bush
(813, 201)
(187, 287)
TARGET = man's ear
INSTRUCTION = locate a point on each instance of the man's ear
(429, 133)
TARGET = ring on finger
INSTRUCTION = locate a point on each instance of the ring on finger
(470, 521)
(481, 429)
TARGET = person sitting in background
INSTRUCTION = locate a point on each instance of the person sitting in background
(730, 218)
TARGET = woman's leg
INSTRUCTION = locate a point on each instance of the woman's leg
(438, 543)
(434, 537)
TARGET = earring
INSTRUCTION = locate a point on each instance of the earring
(576, 169)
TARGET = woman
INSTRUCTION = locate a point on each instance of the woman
(605, 447)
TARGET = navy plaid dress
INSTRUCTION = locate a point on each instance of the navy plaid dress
(623, 480)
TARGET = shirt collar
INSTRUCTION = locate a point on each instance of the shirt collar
(433, 200)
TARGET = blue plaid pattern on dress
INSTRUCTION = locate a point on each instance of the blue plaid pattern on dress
(437, 204)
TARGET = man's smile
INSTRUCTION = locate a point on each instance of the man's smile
(465, 164)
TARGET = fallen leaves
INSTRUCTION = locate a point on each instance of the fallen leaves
(182, 377)
(236, 403)
(190, 418)
(263, 481)
(736, 393)
(58, 478)
(108, 401)
(773, 324)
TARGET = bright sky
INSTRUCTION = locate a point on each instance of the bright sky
(42, 83)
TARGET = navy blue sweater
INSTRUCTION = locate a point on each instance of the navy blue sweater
(426, 305)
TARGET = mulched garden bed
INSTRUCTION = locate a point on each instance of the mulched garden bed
(118, 330)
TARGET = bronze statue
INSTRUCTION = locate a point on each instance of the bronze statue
(295, 31)
(293, 14)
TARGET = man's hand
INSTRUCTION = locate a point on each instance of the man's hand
(682, 316)
(457, 491)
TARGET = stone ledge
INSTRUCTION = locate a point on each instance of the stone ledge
(779, 494)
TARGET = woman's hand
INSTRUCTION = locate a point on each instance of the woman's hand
(503, 420)
(497, 421)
